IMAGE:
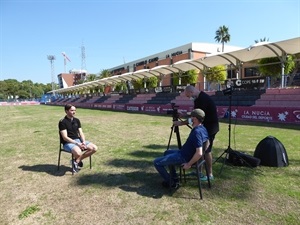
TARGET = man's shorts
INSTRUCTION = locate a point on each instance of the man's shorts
(69, 146)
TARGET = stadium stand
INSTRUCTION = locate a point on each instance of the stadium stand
(238, 98)
(141, 98)
(289, 97)
(125, 99)
(162, 98)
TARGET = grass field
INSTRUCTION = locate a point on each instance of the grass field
(123, 187)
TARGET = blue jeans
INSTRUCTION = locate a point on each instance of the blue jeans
(170, 159)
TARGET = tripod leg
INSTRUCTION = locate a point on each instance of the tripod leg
(220, 156)
(225, 158)
(172, 128)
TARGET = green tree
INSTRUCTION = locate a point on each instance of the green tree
(3, 90)
(152, 82)
(24, 90)
(47, 88)
(104, 74)
(12, 87)
(121, 86)
(271, 67)
(37, 91)
(187, 77)
(22, 94)
(91, 77)
(216, 74)
(137, 84)
(222, 35)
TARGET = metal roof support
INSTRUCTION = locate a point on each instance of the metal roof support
(231, 63)
(281, 57)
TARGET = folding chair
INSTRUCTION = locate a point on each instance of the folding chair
(61, 149)
(201, 162)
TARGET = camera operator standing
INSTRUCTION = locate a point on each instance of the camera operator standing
(211, 122)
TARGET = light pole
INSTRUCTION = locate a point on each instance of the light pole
(51, 58)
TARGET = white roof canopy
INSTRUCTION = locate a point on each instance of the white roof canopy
(257, 51)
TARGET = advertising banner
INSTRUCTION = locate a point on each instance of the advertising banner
(265, 114)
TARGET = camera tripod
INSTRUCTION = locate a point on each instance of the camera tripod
(229, 150)
(175, 129)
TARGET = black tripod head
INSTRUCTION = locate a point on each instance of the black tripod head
(174, 112)
(228, 91)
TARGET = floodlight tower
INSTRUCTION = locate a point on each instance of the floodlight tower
(51, 58)
(83, 66)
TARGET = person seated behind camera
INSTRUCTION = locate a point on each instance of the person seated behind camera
(188, 155)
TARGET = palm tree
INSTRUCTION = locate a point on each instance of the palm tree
(262, 40)
(91, 77)
(104, 73)
(222, 35)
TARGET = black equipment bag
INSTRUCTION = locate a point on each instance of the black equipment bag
(271, 152)
(242, 159)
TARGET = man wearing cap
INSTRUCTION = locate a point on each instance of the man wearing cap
(188, 155)
(203, 101)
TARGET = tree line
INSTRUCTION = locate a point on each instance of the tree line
(11, 89)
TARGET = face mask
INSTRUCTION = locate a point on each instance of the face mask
(190, 121)
(192, 98)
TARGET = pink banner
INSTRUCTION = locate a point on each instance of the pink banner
(252, 113)
(103, 106)
(19, 103)
(266, 114)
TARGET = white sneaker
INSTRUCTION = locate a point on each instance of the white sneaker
(75, 166)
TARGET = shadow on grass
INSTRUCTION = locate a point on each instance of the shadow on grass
(129, 163)
(233, 177)
(155, 146)
(141, 182)
(233, 182)
(47, 168)
(146, 154)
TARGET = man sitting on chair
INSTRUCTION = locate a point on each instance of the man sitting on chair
(189, 154)
(73, 138)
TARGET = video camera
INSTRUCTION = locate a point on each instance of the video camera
(173, 111)
(228, 91)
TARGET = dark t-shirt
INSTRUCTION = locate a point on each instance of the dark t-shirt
(211, 121)
(71, 126)
(195, 140)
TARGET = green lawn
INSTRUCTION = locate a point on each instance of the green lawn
(123, 187)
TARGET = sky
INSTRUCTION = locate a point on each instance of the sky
(117, 31)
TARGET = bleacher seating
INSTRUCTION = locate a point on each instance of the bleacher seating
(238, 97)
(162, 98)
(112, 99)
(102, 99)
(274, 97)
(288, 97)
(125, 99)
(85, 99)
(296, 80)
(181, 99)
(92, 99)
(77, 99)
(141, 98)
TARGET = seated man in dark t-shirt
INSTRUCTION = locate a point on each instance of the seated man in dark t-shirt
(73, 139)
